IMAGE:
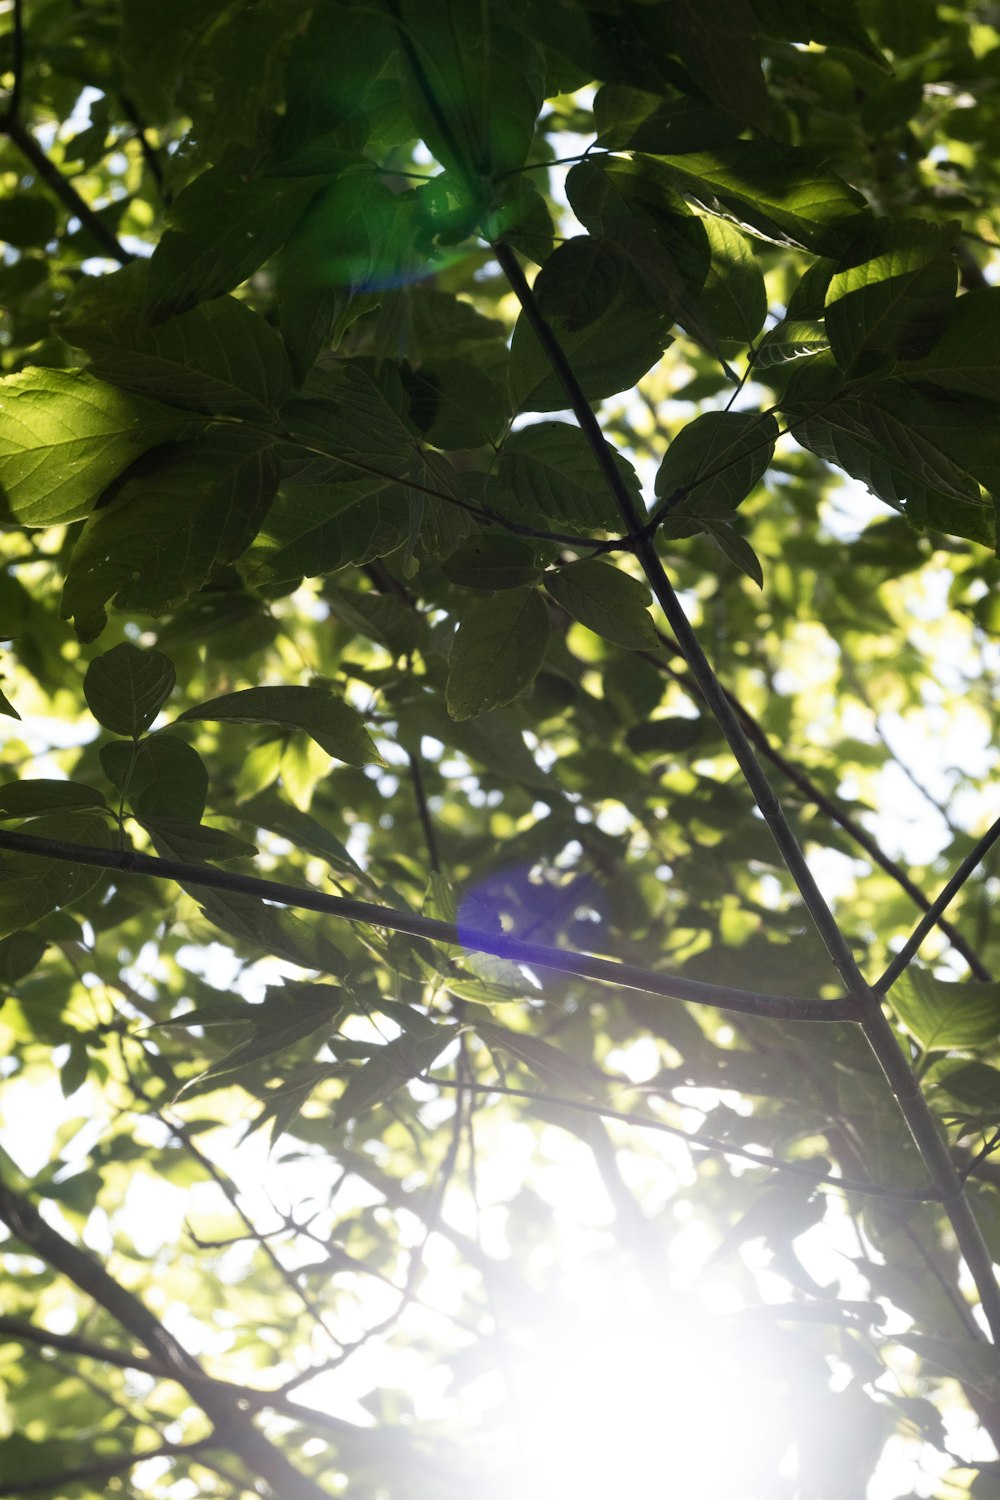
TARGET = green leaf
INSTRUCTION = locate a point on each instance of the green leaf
(894, 297)
(267, 810)
(607, 601)
(125, 688)
(832, 23)
(352, 427)
(976, 1086)
(635, 205)
(497, 651)
(163, 775)
(25, 799)
(221, 227)
(965, 361)
(945, 1013)
(20, 952)
(288, 1015)
(26, 219)
(269, 930)
(336, 728)
(716, 461)
(736, 548)
(74, 1071)
(179, 838)
(547, 472)
(221, 357)
(356, 240)
(605, 323)
(541, 1057)
(488, 560)
(32, 886)
(474, 91)
(317, 529)
(926, 455)
(782, 193)
(64, 436)
(734, 297)
(156, 542)
(718, 45)
(455, 404)
(390, 1068)
(792, 338)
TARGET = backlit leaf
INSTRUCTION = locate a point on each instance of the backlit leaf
(780, 193)
(607, 601)
(547, 472)
(945, 1013)
(220, 357)
(336, 728)
(64, 436)
(390, 1067)
(220, 229)
(716, 461)
(126, 687)
(164, 776)
(896, 295)
(32, 886)
(154, 545)
(497, 651)
(33, 795)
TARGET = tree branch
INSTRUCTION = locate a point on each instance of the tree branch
(63, 188)
(235, 1425)
(923, 1126)
(580, 965)
(933, 913)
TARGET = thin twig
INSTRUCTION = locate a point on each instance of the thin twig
(90, 1277)
(230, 1192)
(426, 822)
(14, 102)
(150, 155)
(22, 138)
(826, 804)
(930, 917)
(695, 1138)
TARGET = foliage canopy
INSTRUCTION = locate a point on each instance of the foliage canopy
(498, 501)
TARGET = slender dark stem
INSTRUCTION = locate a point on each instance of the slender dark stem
(482, 513)
(930, 917)
(248, 1399)
(64, 189)
(14, 102)
(695, 1138)
(150, 155)
(426, 821)
(230, 1192)
(923, 1126)
(563, 961)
